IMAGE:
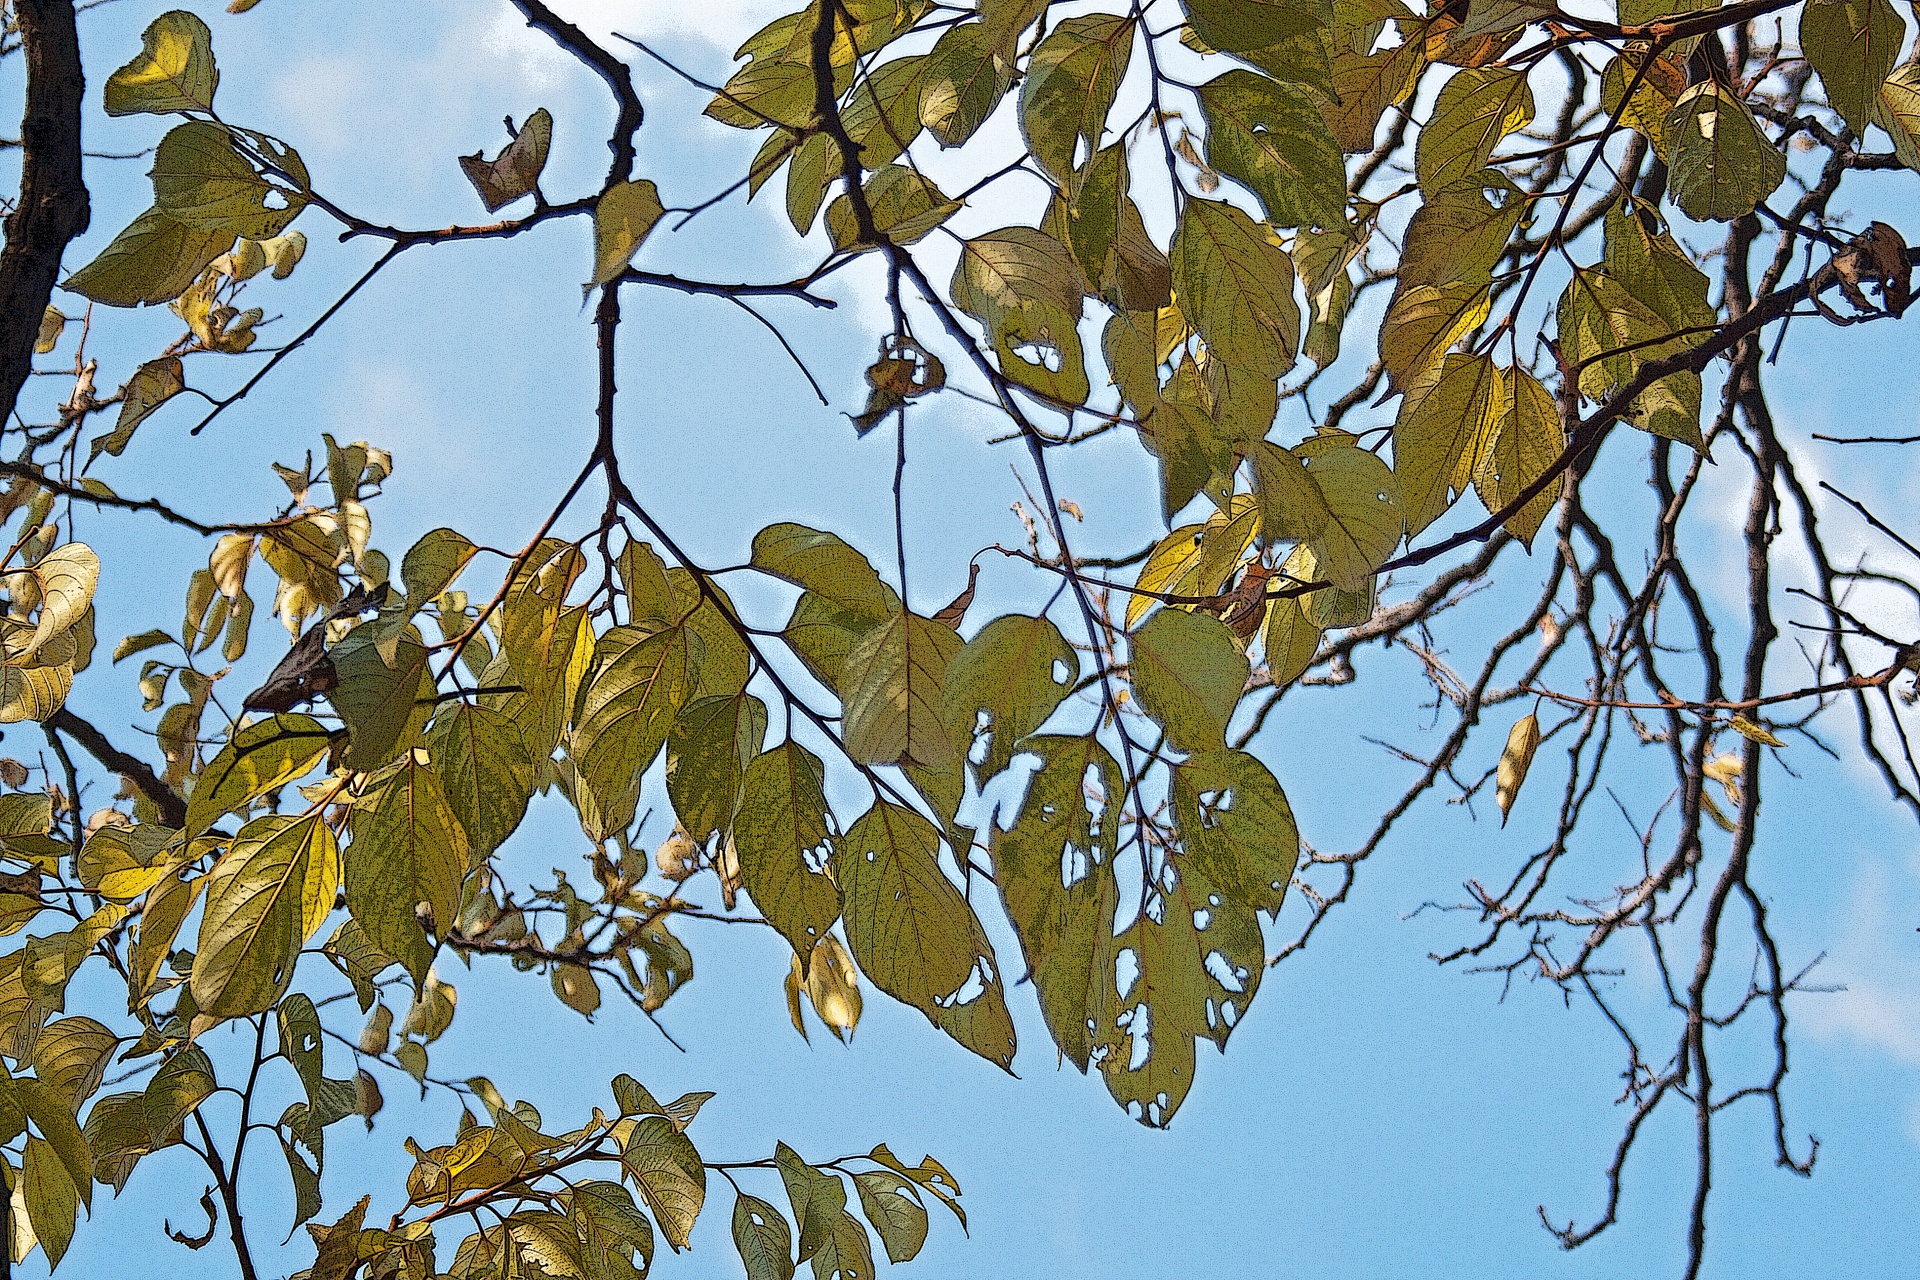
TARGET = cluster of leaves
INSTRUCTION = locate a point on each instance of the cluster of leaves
(1136, 842)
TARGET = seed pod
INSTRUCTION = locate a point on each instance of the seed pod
(1514, 763)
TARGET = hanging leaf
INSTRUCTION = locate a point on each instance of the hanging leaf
(1522, 741)
(1015, 672)
(663, 1165)
(1069, 88)
(1854, 45)
(782, 841)
(1054, 865)
(892, 691)
(1475, 110)
(1236, 826)
(1024, 286)
(202, 179)
(963, 80)
(266, 896)
(408, 850)
(1188, 674)
(1364, 521)
(914, 935)
(1236, 288)
(258, 759)
(485, 772)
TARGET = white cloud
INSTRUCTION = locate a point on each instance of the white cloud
(1880, 1006)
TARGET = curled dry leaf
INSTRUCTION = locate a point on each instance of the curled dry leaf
(515, 171)
(1522, 741)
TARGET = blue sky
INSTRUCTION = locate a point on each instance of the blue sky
(1376, 1115)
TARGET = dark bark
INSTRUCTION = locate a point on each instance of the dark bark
(53, 206)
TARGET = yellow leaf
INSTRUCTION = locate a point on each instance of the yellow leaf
(173, 72)
(1755, 732)
(621, 220)
(1522, 741)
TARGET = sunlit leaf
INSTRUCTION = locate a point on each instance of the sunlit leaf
(174, 70)
(621, 221)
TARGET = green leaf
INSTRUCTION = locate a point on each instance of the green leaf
(152, 385)
(708, 749)
(1438, 437)
(47, 1108)
(1188, 674)
(912, 932)
(892, 692)
(894, 1209)
(818, 1198)
(202, 179)
(71, 1056)
(657, 1158)
(1326, 607)
(300, 1032)
(822, 633)
(883, 115)
(51, 1197)
(408, 848)
(1291, 504)
(824, 565)
(116, 1134)
(1016, 671)
(1197, 961)
(1321, 259)
(1853, 44)
(1069, 88)
(431, 565)
(1721, 165)
(306, 1185)
(259, 759)
(1477, 107)
(515, 172)
(1422, 323)
(1523, 438)
(383, 703)
(963, 81)
(846, 1254)
(622, 219)
(1054, 867)
(1236, 288)
(174, 70)
(1364, 522)
(641, 682)
(1459, 234)
(780, 834)
(1291, 642)
(1366, 84)
(905, 206)
(764, 1240)
(611, 1227)
(265, 897)
(485, 771)
(1025, 287)
(1657, 272)
(1236, 26)
(1271, 138)
(1236, 826)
